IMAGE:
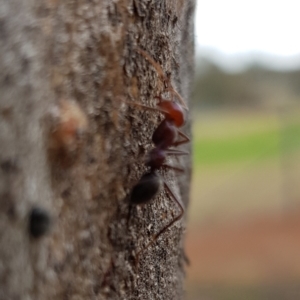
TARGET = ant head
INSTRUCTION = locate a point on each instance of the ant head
(174, 112)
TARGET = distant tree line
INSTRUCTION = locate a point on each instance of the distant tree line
(256, 87)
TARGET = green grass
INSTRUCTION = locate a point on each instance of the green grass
(291, 137)
(268, 140)
(232, 149)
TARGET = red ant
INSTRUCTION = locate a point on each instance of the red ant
(165, 136)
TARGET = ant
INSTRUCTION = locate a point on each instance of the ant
(165, 136)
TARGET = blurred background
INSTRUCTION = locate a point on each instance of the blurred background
(243, 238)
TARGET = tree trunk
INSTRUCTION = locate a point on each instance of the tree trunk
(72, 147)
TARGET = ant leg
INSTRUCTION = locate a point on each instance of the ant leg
(174, 92)
(157, 109)
(176, 152)
(173, 168)
(156, 66)
(186, 139)
(156, 236)
(179, 203)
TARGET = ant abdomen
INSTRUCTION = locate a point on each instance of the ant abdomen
(146, 189)
(165, 134)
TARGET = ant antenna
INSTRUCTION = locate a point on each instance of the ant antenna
(164, 78)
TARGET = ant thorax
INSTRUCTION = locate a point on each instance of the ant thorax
(156, 158)
(165, 134)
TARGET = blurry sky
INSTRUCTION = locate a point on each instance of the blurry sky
(233, 33)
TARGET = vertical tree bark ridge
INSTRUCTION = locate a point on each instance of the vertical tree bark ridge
(84, 52)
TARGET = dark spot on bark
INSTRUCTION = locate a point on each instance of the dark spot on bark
(39, 222)
(9, 166)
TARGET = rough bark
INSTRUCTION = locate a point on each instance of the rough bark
(70, 145)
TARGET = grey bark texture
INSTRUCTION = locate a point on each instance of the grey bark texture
(72, 146)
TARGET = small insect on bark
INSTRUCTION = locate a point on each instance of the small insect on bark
(166, 135)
